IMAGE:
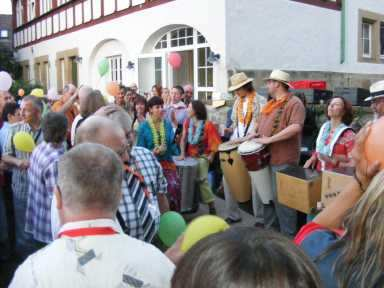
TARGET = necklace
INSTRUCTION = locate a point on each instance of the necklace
(245, 120)
(194, 138)
(158, 135)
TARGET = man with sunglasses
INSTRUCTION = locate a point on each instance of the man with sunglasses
(377, 99)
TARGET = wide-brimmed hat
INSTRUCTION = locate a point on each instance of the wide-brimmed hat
(280, 76)
(376, 90)
(37, 92)
(238, 80)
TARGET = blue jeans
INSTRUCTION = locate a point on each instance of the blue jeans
(278, 216)
(25, 244)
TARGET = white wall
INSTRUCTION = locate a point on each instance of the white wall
(133, 30)
(352, 8)
(264, 34)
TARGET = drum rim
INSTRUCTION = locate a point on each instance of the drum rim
(228, 149)
(262, 146)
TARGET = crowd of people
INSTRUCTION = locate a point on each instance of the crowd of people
(83, 209)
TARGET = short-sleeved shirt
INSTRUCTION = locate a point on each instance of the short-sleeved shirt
(42, 181)
(286, 151)
(20, 177)
(115, 260)
(70, 114)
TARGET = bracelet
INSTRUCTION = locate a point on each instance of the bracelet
(358, 181)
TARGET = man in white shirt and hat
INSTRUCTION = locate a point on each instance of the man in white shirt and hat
(92, 250)
(377, 99)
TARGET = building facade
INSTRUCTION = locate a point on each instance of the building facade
(6, 32)
(61, 41)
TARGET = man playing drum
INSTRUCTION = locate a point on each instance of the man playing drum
(245, 114)
(280, 126)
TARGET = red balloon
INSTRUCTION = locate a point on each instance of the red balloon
(374, 148)
(175, 60)
(113, 89)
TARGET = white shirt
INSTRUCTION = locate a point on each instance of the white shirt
(95, 261)
(73, 128)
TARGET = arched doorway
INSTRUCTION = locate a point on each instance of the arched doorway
(194, 50)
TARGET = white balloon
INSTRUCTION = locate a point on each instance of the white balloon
(5, 81)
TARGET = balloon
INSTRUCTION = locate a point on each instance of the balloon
(172, 225)
(113, 89)
(103, 67)
(175, 60)
(37, 92)
(24, 142)
(200, 228)
(374, 148)
(21, 92)
(5, 81)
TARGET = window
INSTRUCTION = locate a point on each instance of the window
(205, 74)
(182, 37)
(382, 39)
(366, 38)
(19, 13)
(4, 34)
(158, 71)
(162, 43)
(116, 68)
(31, 10)
(45, 6)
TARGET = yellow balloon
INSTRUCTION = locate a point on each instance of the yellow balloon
(24, 142)
(37, 92)
(200, 228)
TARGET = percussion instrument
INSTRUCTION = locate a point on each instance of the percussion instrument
(187, 171)
(235, 172)
(255, 155)
(256, 158)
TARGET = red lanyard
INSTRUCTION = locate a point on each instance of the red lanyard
(89, 231)
(141, 180)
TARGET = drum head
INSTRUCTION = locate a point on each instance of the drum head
(187, 162)
(250, 147)
(228, 146)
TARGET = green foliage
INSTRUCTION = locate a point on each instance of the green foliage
(8, 63)
(25, 85)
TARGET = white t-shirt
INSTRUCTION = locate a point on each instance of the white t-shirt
(73, 128)
(95, 261)
(240, 129)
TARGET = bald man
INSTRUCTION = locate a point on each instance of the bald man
(138, 213)
(188, 94)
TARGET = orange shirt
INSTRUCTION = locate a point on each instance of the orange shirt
(70, 114)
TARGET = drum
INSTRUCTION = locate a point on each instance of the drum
(188, 173)
(235, 172)
(255, 155)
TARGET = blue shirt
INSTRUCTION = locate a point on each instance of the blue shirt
(145, 139)
(3, 135)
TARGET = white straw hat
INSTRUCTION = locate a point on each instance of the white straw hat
(280, 76)
(376, 90)
(238, 80)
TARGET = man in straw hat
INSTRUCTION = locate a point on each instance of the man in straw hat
(377, 98)
(280, 126)
(245, 114)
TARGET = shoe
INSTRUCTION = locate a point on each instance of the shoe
(259, 225)
(231, 221)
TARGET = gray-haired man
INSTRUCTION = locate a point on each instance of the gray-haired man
(92, 251)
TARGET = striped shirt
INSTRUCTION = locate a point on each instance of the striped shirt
(20, 177)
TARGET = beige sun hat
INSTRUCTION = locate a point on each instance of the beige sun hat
(238, 80)
(280, 76)
(376, 90)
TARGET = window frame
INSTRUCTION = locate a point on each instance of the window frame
(369, 39)
(116, 68)
(7, 34)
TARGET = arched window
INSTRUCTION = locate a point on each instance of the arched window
(192, 45)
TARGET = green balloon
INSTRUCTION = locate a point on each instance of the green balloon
(103, 67)
(172, 225)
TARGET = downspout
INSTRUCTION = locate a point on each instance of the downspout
(343, 32)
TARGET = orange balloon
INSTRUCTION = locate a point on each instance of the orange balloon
(374, 148)
(113, 89)
(21, 92)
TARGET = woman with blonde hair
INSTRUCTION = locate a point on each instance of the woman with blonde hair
(345, 240)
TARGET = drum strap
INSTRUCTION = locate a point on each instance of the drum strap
(276, 122)
(246, 129)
